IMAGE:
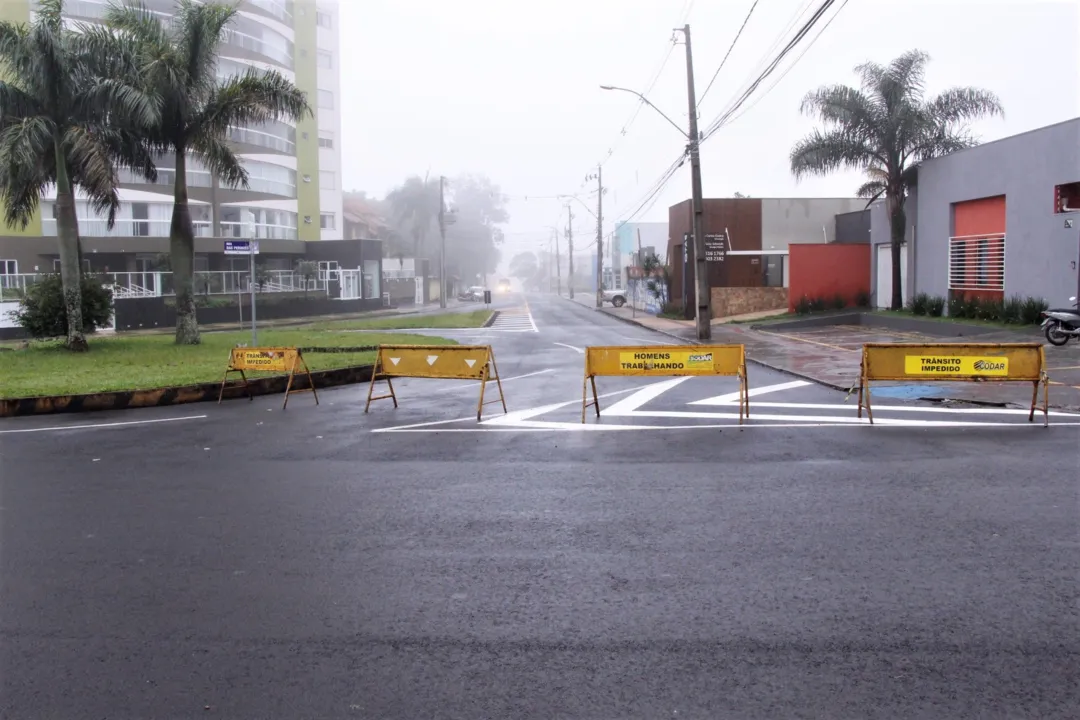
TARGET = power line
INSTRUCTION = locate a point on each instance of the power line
(728, 53)
(803, 31)
(780, 79)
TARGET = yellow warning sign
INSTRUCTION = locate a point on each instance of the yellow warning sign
(443, 362)
(448, 362)
(269, 359)
(990, 362)
(664, 361)
(954, 365)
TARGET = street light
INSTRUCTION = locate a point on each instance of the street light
(702, 311)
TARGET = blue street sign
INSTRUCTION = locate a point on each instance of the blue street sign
(240, 247)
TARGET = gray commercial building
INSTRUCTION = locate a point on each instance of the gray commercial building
(996, 220)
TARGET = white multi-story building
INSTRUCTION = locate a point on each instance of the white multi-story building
(294, 191)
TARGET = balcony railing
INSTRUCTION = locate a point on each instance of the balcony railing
(279, 10)
(167, 176)
(261, 138)
(257, 230)
(124, 227)
(258, 45)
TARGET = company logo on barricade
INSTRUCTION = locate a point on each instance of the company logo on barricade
(956, 365)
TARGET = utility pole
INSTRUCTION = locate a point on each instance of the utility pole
(442, 243)
(570, 241)
(701, 270)
(599, 237)
(558, 268)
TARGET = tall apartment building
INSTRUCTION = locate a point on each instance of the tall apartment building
(294, 169)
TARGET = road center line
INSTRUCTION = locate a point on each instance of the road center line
(102, 425)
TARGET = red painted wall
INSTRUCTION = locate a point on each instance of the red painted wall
(974, 218)
(824, 271)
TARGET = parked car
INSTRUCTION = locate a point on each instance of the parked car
(616, 297)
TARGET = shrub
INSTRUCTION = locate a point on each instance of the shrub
(862, 299)
(935, 306)
(839, 302)
(671, 310)
(1012, 310)
(802, 307)
(956, 306)
(42, 314)
(817, 304)
(920, 303)
(1031, 312)
(991, 309)
(971, 308)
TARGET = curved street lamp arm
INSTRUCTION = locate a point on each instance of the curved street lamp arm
(646, 101)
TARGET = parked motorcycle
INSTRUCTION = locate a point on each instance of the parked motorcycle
(1060, 324)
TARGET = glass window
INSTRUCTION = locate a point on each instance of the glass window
(325, 60)
(323, 19)
(326, 99)
(9, 267)
(327, 221)
(327, 180)
(326, 139)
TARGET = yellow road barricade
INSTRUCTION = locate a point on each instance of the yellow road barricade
(979, 362)
(441, 362)
(269, 359)
(665, 361)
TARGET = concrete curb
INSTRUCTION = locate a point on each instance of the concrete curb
(491, 320)
(160, 397)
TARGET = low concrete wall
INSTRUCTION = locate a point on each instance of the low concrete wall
(143, 313)
(728, 301)
(932, 328)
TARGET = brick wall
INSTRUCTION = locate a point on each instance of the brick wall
(728, 301)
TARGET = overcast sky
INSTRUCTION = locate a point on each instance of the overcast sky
(511, 90)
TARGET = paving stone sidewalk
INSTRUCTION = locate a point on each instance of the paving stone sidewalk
(831, 356)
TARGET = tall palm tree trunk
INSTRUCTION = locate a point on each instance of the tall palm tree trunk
(897, 226)
(182, 257)
(67, 234)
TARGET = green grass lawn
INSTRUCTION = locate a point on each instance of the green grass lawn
(473, 319)
(144, 362)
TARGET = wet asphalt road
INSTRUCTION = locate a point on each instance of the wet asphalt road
(240, 562)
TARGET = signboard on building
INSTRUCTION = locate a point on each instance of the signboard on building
(716, 247)
(240, 247)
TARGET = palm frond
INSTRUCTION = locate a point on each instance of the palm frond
(824, 152)
(26, 148)
(871, 190)
(137, 21)
(842, 106)
(16, 58)
(50, 13)
(17, 104)
(221, 160)
(964, 104)
(253, 98)
(202, 27)
(90, 164)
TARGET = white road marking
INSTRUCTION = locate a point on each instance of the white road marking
(515, 320)
(575, 349)
(577, 427)
(628, 406)
(733, 398)
(906, 408)
(102, 425)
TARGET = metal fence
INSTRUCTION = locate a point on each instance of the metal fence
(157, 284)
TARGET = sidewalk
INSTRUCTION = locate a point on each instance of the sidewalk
(828, 362)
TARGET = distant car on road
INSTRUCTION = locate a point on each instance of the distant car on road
(473, 294)
(615, 297)
(504, 286)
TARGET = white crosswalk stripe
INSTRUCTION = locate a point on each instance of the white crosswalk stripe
(515, 320)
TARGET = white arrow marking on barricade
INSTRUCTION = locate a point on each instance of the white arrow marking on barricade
(431, 359)
(395, 360)
(470, 362)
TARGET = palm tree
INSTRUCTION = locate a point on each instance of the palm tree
(886, 128)
(415, 206)
(179, 62)
(67, 117)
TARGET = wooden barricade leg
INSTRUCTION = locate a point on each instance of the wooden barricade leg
(585, 404)
(288, 386)
(745, 392)
(498, 380)
(292, 378)
(1034, 399)
(483, 386)
(225, 379)
(864, 392)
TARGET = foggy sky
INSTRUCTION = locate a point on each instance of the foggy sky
(510, 89)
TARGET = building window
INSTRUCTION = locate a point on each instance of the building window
(326, 99)
(326, 140)
(323, 19)
(1067, 198)
(327, 180)
(327, 221)
(325, 60)
(9, 267)
(977, 263)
